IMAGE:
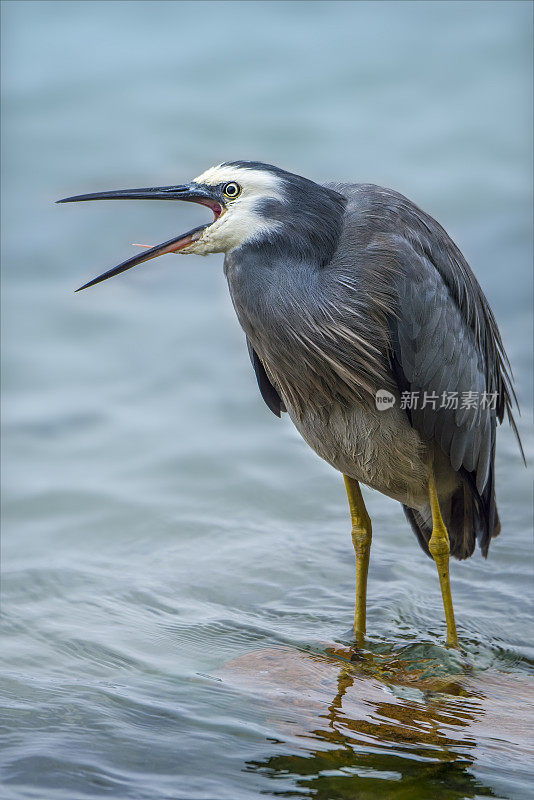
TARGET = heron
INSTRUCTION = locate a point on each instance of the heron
(366, 325)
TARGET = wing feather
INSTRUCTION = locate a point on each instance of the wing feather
(267, 390)
(440, 357)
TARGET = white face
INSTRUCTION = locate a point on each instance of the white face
(239, 221)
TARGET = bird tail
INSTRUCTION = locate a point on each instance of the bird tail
(468, 517)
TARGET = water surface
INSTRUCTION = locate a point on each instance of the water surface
(177, 565)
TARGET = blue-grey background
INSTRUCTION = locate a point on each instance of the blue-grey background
(158, 521)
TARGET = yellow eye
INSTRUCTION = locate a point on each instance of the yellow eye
(231, 190)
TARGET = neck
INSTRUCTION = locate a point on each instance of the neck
(310, 226)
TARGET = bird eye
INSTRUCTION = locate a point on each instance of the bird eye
(231, 189)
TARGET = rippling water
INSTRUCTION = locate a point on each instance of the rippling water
(178, 570)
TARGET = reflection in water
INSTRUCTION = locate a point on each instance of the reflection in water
(362, 735)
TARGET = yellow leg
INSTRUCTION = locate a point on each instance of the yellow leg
(361, 539)
(439, 549)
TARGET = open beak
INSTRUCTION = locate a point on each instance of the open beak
(191, 192)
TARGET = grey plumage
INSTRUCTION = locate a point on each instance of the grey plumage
(345, 289)
(395, 306)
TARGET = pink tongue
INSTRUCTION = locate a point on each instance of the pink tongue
(215, 207)
(177, 246)
(173, 248)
